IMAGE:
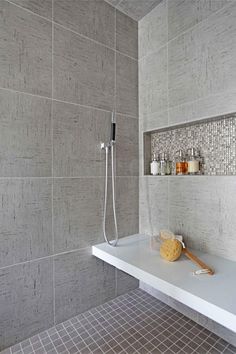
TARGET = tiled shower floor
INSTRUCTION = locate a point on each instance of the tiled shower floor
(132, 323)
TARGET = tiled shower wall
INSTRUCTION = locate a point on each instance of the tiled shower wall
(64, 65)
(187, 72)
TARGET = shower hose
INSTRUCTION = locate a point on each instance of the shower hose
(113, 242)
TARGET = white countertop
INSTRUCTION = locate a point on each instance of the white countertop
(213, 296)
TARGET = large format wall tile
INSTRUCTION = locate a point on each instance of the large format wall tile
(25, 131)
(78, 210)
(153, 204)
(78, 132)
(126, 85)
(25, 220)
(125, 283)
(94, 18)
(126, 35)
(184, 14)
(153, 88)
(127, 146)
(83, 70)
(203, 211)
(26, 301)
(202, 61)
(126, 207)
(81, 282)
(153, 30)
(42, 7)
(26, 53)
(137, 8)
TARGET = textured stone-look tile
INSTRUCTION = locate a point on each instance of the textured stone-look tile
(153, 204)
(78, 210)
(137, 8)
(154, 121)
(26, 301)
(78, 132)
(153, 90)
(81, 282)
(42, 7)
(126, 207)
(113, 2)
(184, 14)
(211, 106)
(25, 130)
(202, 210)
(127, 146)
(153, 30)
(126, 35)
(25, 46)
(126, 85)
(25, 220)
(125, 283)
(201, 61)
(83, 70)
(94, 18)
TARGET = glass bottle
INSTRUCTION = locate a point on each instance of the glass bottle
(163, 165)
(193, 162)
(168, 164)
(181, 166)
(154, 166)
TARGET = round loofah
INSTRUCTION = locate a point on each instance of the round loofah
(171, 250)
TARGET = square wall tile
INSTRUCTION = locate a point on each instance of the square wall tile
(184, 14)
(126, 85)
(201, 61)
(26, 51)
(78, 211)
(125, 283)
(153, 30)
(26, 301)
(127, 160)
(81, 282)
(25, 220)
(201, 213)
(42, 7)
(126, 35)
(25, 135)
(94, 18)
(78, 133)
(126, 207)
(153, 89)
(153, 204)
(83, 70)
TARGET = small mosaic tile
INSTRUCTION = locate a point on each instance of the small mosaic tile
(132, 323)
(215, 140)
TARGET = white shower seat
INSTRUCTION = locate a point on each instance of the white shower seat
(213, 296)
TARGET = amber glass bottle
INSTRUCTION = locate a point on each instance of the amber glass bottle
(181, 165)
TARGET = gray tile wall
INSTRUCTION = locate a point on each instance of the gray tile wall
(187, 73)
(64, 65)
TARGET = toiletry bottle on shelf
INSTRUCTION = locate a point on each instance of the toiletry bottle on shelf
(193, 162)
(168, 164)
(181, 166)
(154, 166)
(163, 165)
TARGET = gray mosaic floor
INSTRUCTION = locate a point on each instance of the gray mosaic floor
(132, 323)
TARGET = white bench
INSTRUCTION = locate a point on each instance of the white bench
(213, 296)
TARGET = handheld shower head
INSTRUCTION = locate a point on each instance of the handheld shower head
(113, 128)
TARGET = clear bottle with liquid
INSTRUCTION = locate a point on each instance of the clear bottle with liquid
(193, 162)
(181, 165)
(163, 164)
(168, 164)
(154, 166)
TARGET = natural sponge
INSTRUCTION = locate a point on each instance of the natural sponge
(171, 250)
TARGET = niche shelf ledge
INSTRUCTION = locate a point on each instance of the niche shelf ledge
(213, 296)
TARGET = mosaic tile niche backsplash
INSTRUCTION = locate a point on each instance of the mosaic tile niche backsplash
(215, 141)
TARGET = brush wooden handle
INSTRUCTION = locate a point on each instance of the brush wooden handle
(196, 260)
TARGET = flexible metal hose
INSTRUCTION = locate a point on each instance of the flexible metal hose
(114, 242)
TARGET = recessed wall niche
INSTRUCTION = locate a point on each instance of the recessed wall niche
(214, 139)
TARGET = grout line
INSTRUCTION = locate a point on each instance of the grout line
(67, 102)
